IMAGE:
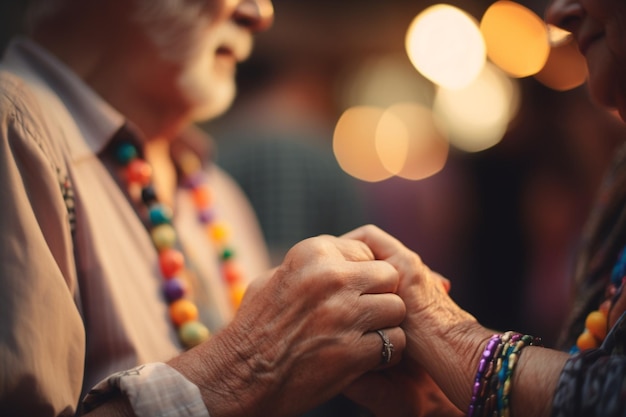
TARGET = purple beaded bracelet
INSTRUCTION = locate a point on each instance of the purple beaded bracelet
(482, 376)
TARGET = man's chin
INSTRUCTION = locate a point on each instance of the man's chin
(212, 108)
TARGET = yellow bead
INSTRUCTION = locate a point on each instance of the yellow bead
(182, 311)
(596, 323)
(218, 232)
(193, 333)
(586, 341)
(163, 236)
(237, 292)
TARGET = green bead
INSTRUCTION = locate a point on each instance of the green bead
(159, 214)
(125, 153)
(227, 253)
(193, 333)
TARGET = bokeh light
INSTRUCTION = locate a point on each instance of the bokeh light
(392, 142)
(566, 67)
(410, 143)
(465, 92)
(516, 38)
(477, 117)
(382, 81)
(354, 143)
(444, 43)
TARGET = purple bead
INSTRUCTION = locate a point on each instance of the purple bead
(482, 365)
(194, 181)
(476, 389)
(173, 289)
(492, 343)
(206, 216)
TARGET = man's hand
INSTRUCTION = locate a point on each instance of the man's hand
(303, 333)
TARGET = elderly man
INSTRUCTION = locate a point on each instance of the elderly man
(122, 244)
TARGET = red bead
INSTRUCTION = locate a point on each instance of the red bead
(232, 273)
(171, 262)
(138, 172)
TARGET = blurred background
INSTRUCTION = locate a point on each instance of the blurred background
(499, 218)
(502, 223)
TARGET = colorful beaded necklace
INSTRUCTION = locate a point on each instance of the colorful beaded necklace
(596, 323)
(183, 312)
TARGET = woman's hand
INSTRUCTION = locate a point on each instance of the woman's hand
(442, 339)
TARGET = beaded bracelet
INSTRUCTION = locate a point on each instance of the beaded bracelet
(483, 374)
(492, 384)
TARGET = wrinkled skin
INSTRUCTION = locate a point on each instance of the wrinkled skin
(303, 333)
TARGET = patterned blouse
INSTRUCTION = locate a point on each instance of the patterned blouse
(593, 382)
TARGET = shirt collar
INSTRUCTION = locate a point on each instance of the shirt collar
(94, 118)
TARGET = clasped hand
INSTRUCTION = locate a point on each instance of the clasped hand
(309, 329)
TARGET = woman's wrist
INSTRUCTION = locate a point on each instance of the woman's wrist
(451, 355)
(535, 380)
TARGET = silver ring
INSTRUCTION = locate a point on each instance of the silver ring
(387, 347)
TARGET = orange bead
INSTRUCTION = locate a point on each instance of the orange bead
(236, 294)
(218, 232)
(232, 272)
(202, 197)
(182, 311)
(596, 324)
(138, 172)
(171, 262)
(586, 341)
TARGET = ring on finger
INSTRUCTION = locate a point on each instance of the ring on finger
(387, 347)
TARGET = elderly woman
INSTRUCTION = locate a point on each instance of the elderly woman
(486, 373)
